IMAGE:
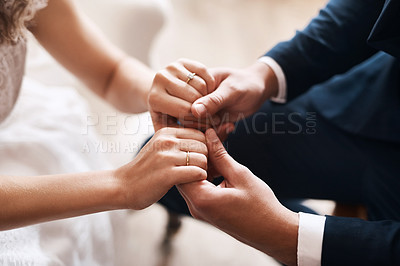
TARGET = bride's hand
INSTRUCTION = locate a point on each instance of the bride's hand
(161, 164)
(173, 92)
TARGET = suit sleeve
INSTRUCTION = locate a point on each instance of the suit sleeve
(351, 241)
(332, 43)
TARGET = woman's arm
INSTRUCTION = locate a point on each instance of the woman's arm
(29, 200)
(73, 40)
(161, 164)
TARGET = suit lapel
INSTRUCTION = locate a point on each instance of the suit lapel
(385, 34)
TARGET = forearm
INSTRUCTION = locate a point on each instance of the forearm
(29, 200)
(74, 41)
(279, 238)
(129, 85)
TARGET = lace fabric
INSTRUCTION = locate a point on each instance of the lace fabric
(12, 60)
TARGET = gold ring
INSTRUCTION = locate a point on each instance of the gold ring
(190, 76)
(187, 158)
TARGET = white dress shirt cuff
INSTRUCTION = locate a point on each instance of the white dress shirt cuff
(309, 244)
(281, 97)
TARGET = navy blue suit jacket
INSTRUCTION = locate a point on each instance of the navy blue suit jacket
(348, 59)
(349, 56)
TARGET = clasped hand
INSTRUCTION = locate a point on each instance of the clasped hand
(242, 205)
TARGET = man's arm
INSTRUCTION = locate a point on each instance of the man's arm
(73, 40)
(359, 242)
(248, 210)
(332, 43)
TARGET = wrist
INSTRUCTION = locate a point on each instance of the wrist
(268, 79)
(283, 236)
(288, 253)
(116, 195)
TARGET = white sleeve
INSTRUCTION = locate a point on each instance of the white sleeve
(309, 243)
(281, 97)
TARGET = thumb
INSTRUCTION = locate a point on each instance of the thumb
(219, 158)
(210, 104)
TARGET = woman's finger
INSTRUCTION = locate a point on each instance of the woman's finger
(188, 78)
(193, 146)
(191, 159)
(161, 120)
(182, 90)
(188, 174)
(189, 133)
(164, 103)
(201, 71)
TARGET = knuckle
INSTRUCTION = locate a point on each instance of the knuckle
(203, 150)
(173, 66)
(163, 131)
(185, 146)
(157, 143)
(168, 131)
(153, 98)
(168, 143)
(202, 138)
(220, 153)
(193, 96)
(182, 60)
(241, 170)
(216, 99)
(203, 162)
(183, 110)
(201, 175)
(235, 90)
(163, 142)
(202, 87)
(160, 76)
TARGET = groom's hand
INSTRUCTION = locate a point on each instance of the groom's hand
(238, 92)
(243, 206)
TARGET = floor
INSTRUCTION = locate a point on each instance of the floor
(217, 33)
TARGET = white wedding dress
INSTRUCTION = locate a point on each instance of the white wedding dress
(42, 133)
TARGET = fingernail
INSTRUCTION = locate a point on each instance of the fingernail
(200, 109)
(211, 134)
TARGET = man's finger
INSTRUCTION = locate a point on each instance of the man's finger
(222, 162)
(224, 130)
(210, 104)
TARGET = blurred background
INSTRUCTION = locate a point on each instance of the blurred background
(230, 33)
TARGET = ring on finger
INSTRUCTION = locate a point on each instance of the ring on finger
(190, 76)
(187, 158)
